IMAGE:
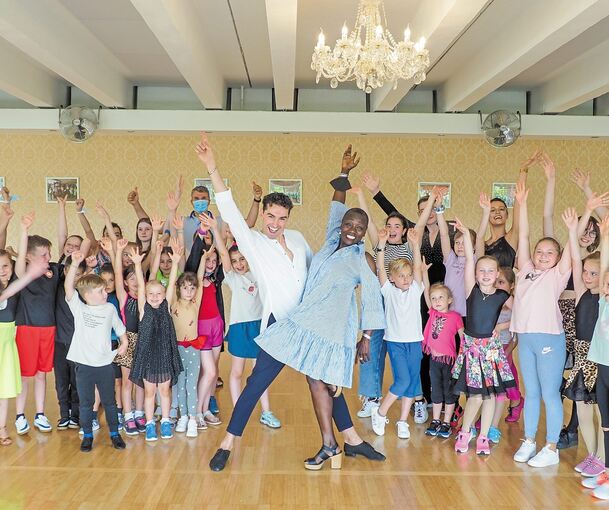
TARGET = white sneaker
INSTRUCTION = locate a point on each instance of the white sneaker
(192, 428)
(378, 422)
(42, 423)
(597, 481)
(546, 457)
(602, 491)
(367, 405)
(22, 426)
(420, 412)
(182, 424)
(526, 451)
(403, 430)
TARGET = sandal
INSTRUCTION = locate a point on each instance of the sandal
(334, 391)
(5, 440)
(327, 452)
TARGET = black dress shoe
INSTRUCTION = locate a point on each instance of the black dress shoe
(117, 442)
(87, 444)
(364, 449)
(567, 439)
(219, 460)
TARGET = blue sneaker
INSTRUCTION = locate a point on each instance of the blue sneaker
(151, 432)
(432, 430)
(270, 420)
(213, 405)
(494, 435)
(166, 430)
(444, 430)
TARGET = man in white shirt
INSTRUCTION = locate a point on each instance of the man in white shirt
(280, 259)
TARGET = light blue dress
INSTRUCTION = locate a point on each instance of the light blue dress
(318, 338)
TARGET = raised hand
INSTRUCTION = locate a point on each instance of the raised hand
(176, 251)
(355, 190)
(105, 244)
(101, 211)
(159, 245)
(569, 216)
(207, 222)
(595, 201)
(7, 212)
(157, 223)
(484, 202)
(383, 235)
(27, 220)
(531, 161)
(205, 152)
(350, 161)
(547, 164)
(460, 227)
(61, 200)
(581, 178)
(133, 197)
(80, 204)
(121, 244)
(77, 257)
(413, 237)
(371, 182)
(136, 256)
(178, 222)
(257, 191)
(604, 226)
(91, 261)
(521, 193)
(173, 201)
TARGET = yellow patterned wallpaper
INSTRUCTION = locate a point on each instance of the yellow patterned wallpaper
(109, 165)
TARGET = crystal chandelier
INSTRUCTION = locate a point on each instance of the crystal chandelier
(380, 59)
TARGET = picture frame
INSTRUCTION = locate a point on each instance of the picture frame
(61, 185)
(206, 181)
(424, 189)
(289, 187)
(506, 191)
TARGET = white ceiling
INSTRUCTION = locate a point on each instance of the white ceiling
(549, 47)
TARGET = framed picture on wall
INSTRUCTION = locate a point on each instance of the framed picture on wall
(290, 187)
(62, 186)
(424, 189)
(505, 191)
(207, 183)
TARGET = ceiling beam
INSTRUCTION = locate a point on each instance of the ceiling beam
(519, 43)
(176, 26)
(281, 18)
(26, 81)
(579, 81)
(440, 22)
(47, 32)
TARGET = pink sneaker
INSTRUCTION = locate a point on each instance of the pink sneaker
(514, 412)
(594, 468)
(583, 464)
(482, 446)
(462, 444)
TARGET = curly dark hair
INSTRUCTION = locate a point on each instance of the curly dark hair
(280, 199)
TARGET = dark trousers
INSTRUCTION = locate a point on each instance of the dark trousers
(103, 377)
(265, 371)
(65, 383)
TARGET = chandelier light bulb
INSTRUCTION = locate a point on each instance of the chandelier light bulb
(344, 31)
(321, 39)
(379, 32)
(407, 34)
(420, 45)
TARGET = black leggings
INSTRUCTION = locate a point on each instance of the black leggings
(602, 398)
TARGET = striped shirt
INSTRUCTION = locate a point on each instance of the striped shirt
(396, 251)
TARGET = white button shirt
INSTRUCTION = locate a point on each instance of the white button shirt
(281, 281)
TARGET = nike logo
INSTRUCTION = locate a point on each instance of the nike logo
(546, 350)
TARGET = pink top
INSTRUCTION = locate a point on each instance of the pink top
(439, 334)
(536, 296)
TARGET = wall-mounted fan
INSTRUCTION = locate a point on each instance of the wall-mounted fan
(77, 123)
(501, 128)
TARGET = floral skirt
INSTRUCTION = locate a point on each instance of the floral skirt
(481, 368)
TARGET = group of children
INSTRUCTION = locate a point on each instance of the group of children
(114, 318)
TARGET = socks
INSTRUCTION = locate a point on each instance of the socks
(139, 414)
(90, 436)
(113, 434)
(17, 417)
(38, 414)
(165, 420)
(129, 416)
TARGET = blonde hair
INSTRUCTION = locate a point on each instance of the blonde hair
(397, 265)
(89, 282)
(441, 286)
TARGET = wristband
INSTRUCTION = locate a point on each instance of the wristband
(212, 171)
(257, 200)
(366, 336)
(377, 249)
(440, 209)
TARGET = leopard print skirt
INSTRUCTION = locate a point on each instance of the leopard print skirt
(126, 360)
(581, 384)
(567, 309)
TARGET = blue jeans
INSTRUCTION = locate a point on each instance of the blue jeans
(371, 373)
(542, 358)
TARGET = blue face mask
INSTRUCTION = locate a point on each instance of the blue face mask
(200, 206)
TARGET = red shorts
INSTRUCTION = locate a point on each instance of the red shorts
(36, 347)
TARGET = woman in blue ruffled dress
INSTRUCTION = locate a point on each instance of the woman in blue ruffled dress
(319, 337)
